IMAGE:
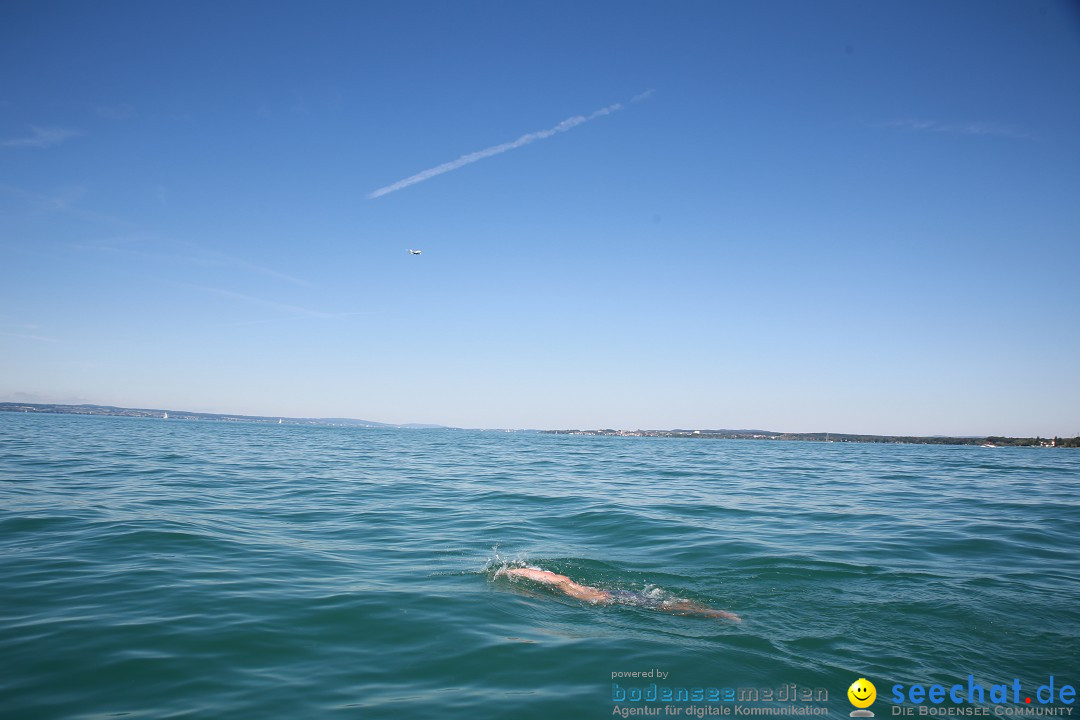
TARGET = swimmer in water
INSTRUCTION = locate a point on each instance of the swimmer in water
(609, 597)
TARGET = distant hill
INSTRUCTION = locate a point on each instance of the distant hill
(341, 421)
(190, 415)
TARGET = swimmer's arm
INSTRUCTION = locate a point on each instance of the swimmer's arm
(568, 586)
(592, 595)
(584, 592)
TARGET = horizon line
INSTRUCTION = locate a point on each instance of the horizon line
(324, 420)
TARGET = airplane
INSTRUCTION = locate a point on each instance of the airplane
(415, 252)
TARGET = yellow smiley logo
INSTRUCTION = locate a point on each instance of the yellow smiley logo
(862, 693)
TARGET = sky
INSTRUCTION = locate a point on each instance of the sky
(806, 217)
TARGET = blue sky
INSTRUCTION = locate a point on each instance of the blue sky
(849, 216)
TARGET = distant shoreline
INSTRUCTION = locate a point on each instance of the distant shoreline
(990, 441)
(109, 410)
(112, 411)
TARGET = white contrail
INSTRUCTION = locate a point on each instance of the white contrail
(565, 125)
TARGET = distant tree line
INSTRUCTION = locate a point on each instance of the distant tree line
(1036, 441)
(997, 441)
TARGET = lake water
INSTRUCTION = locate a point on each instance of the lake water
(157, 569)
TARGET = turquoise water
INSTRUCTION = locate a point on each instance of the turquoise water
(196, 569)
